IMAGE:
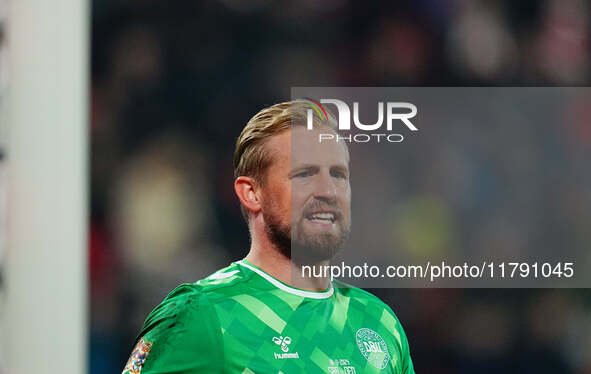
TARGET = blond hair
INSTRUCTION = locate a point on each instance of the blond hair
(251, 158)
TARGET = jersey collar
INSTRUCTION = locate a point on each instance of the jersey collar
(292, 290)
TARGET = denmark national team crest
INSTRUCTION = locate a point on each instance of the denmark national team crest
(138, 357)
(373, 347)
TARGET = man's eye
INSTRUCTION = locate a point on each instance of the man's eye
(302, 174)
(339, 174)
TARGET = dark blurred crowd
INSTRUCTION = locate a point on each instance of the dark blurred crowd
(173, 83)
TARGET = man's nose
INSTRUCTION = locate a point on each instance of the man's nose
(325, 187)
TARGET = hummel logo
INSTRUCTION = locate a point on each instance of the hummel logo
(283, 341)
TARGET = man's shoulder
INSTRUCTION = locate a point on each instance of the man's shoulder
(222, 284)
(360, 295)
(201, 295)
(355, 292)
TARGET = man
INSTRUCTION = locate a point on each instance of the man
(249, 317)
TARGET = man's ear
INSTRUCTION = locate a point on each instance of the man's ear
(247, 191)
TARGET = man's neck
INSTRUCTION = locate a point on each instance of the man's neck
(276, 264)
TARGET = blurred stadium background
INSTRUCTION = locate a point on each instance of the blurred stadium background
(173, 83)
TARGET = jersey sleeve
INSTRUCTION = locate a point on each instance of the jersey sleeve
(182, 335)
(407, 366)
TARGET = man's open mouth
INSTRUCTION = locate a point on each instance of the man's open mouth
(322, 217)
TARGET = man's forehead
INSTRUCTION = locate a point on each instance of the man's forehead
(302, 147)
(307, 149)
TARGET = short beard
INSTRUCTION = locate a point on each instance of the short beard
(306, 250)
(278, 234)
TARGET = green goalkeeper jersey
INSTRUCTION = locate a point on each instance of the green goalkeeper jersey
(242, 320)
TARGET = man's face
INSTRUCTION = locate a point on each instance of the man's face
(306, 199)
